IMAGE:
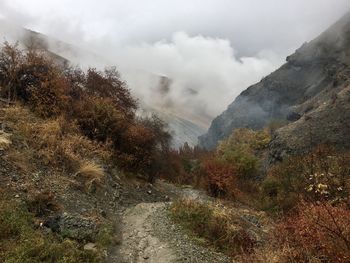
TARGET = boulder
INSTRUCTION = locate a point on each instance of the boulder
(90, 247)
(73, 226)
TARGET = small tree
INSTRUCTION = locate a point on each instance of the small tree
(11, 61)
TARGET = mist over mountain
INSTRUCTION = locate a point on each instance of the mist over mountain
(211, 51)
(182, 130)
(206, 71)
(310, 92)
(104, 150)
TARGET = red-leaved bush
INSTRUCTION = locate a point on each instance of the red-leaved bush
(221, 178)
(316, 232)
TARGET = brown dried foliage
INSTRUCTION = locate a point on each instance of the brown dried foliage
(317, 231)
(98, 102)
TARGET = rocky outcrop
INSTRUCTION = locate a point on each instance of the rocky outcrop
(315, 74)
(327, 123)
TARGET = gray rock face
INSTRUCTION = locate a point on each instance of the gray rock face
(313, 75)
(328, 123)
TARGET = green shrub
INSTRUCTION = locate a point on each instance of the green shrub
(242, 149)
(106, 236)
(192, 215)
(14, 221)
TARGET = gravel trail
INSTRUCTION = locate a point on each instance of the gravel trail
(139, 242)
(150, 236)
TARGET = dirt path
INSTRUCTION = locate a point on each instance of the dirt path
(139, 242)
(150, 236)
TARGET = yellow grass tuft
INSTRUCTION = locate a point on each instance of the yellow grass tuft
(5, 141)
(91, 175)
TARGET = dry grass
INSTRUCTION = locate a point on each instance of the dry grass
(5, 140)
(270, 254)
(56, 143)
(23, 160)
(43, 203)
(220, 227)
(90, 175)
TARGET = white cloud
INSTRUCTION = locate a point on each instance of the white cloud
(206, 74)
(228, 44)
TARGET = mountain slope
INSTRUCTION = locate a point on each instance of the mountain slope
(181, 129)
(63, 53)
(314, 74)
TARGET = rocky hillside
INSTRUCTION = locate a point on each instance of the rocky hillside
(310, 91)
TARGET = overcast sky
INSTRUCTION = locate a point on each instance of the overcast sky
(212, 49)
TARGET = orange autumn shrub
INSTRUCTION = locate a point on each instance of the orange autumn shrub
(51, 97)
(108, 84)
(221, 178)
(136, 149)
(316, 232)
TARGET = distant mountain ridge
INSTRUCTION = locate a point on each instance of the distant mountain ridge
(60, 50)
(311, 86)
